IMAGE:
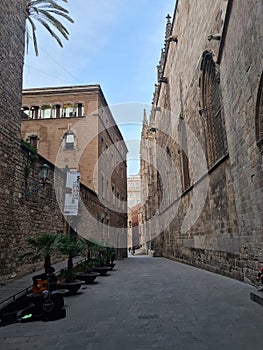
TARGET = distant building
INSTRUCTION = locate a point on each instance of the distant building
(73, 128)
(134, 200)
(133, 190)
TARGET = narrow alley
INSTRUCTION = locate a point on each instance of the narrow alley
(149, 303)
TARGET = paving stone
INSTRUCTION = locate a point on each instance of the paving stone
(215, 313)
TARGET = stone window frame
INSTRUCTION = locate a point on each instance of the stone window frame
(69, 146)
(45, 111)
(259, 116)
(33, 140)
(35, 112)
(212, 110)
(183, 152)
(57, 110)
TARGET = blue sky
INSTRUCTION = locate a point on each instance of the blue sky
(116, 44)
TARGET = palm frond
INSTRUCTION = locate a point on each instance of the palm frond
(33, 27)
(51, 32)
(58, 25)
(45, 12)
(68, 245)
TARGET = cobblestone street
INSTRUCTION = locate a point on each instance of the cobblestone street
(149, 303)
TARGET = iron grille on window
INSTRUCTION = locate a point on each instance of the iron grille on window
(216, 143)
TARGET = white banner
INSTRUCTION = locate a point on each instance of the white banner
(72, 193)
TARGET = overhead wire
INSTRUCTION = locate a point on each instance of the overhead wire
(58, 64)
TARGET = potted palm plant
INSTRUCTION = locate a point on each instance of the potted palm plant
(43, 247)
(85, 273)
(84, 269)
(99, 263)
(70, 246)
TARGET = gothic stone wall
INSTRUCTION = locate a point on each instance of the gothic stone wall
(35, 211)
(39, 209)
(11, 65)
(24, 212)
(241, 70)
(19, 219)
(230, 222)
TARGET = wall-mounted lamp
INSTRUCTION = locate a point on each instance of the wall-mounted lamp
(163, 80)
(214, 37)
(44, 171)
(33, 185)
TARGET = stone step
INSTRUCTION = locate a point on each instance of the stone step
(257, 297)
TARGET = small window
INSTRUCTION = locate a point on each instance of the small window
(46, 111)
(33, 140)
(69, 140)
(34, 112)
(57, 108)
(79, 107)
(68, 110)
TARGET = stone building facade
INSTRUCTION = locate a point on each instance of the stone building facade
(133, 200)
(73, 127)
(133, 190)
(27, 207)
(201, 149)
(11, 67)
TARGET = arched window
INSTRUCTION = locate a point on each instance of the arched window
(69, 140)
(46, 111)
(259, 116)
(33, 140)
(56, 111)
(68, 110)
(216, 142)
(34, 112)
(26, 112)
(184, 155)
(79, 109)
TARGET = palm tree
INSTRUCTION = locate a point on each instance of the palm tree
(70, 246)
(45, 12)
(44, 246)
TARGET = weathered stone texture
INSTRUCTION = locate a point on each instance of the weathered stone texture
(226, 237)
(27, 208)
(11, 64)
(241, 70)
